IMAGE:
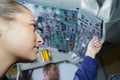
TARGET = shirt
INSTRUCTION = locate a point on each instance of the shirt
(87, 70)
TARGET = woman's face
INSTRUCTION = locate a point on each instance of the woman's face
(21, 39)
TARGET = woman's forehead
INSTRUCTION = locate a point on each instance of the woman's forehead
(25, 17)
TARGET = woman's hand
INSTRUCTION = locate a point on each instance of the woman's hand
(94, 47)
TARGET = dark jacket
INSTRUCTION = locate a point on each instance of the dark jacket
(87, 70)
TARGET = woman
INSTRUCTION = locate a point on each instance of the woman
(19, 40)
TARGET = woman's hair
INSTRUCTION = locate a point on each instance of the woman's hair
(9, 8)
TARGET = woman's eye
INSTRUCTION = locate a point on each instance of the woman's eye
(34, 26)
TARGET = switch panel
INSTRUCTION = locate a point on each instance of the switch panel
(88, 26)
(66, 29)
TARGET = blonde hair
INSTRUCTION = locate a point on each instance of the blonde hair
(9, 8)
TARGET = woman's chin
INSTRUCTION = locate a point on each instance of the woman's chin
(28, 59)
(33, 55)
(33, 58)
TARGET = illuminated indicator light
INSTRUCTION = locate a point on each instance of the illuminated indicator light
(45, 55)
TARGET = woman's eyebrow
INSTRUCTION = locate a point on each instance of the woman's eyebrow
(33, 21)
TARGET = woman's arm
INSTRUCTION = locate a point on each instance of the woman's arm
(88, 68)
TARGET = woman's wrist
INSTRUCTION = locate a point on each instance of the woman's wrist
(90, 55)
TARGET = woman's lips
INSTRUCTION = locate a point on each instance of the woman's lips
(36, 46)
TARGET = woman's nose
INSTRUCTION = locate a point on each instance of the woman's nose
(39, 39)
